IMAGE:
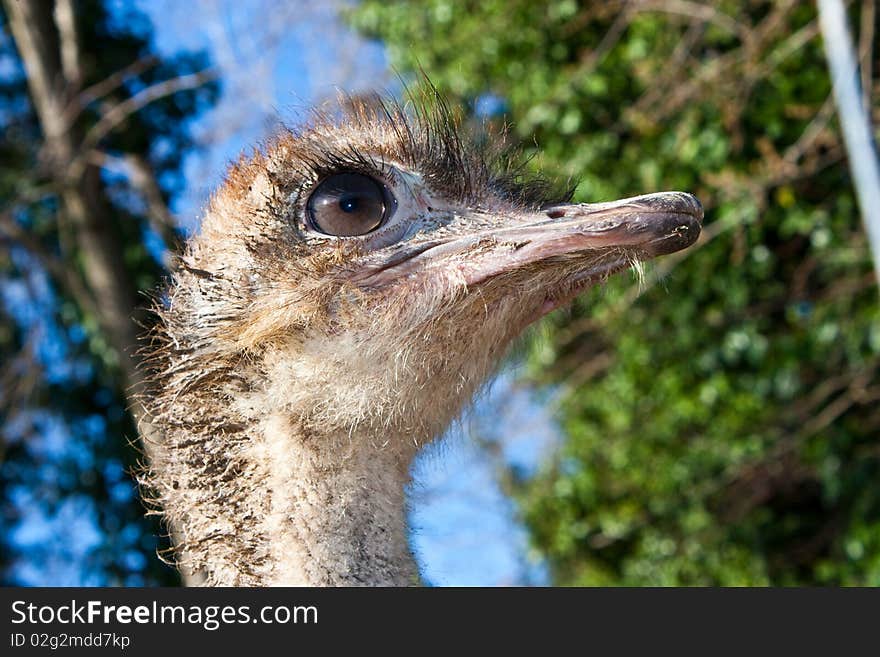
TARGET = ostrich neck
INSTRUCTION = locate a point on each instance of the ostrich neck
(336, 509)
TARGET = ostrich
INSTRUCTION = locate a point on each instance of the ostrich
(351, 288)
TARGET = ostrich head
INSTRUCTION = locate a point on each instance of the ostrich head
(349, 291)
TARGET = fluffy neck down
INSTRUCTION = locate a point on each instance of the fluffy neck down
(264, 494)
(338, 522)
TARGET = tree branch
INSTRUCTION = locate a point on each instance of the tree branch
(142, 177)
(853, 119)
(118, 113)
(13, 234)
(65, 21)
(866, 48)
(106, 86)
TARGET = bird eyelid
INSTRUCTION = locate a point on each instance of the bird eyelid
(347, 204)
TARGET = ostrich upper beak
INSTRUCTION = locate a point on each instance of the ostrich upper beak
(606, 236)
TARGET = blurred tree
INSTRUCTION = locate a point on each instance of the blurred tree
(722, 416)
(94, 126)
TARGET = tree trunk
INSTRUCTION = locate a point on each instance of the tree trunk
(44, 34)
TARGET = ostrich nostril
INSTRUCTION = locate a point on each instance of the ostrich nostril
(556, 213)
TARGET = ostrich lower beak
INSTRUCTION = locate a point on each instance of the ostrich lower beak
(600, 237)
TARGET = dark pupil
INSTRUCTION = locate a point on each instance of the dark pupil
(347, 204)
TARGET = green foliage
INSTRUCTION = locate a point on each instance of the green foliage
(722, 421)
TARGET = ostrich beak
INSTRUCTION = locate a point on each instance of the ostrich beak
(600, 237)
(656, 224)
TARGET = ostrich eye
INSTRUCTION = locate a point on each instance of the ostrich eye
(348, 204)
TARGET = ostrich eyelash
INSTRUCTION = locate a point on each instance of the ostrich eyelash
(425, 135)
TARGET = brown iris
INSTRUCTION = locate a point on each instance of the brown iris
(347, 204)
